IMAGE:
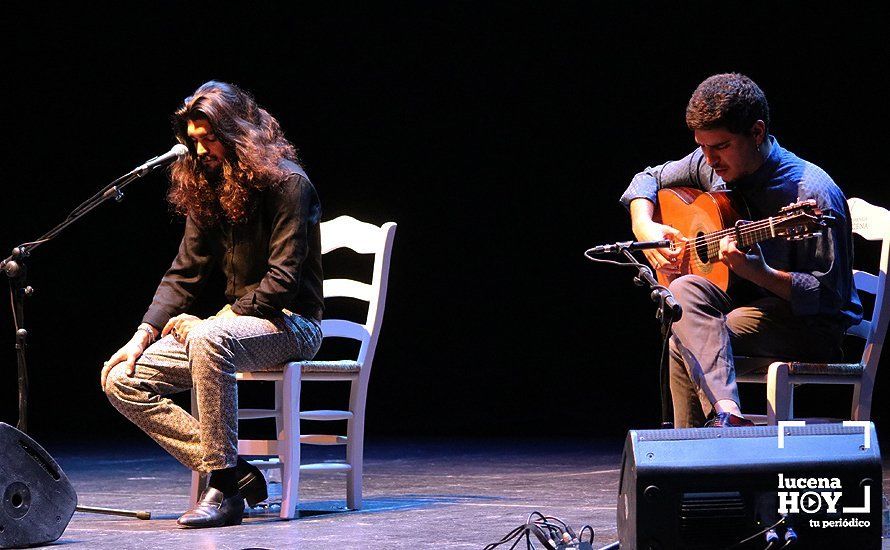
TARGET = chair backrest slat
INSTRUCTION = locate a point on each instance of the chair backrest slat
(348, 232)
(363, 238)
(873, 223)
(347, 288)
(865, 281)
(862, 330)
(340, 328)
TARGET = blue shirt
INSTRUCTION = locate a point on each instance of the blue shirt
(821, 267)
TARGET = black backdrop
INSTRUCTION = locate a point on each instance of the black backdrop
(498, 137)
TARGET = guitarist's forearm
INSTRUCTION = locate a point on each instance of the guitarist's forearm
(775, 281)
(641, 211)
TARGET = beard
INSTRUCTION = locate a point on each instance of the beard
(212, 173)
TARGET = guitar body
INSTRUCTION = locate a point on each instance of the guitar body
(696, 213)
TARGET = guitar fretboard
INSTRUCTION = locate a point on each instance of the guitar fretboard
(748, 234)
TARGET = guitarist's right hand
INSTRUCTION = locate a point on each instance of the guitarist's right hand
(662, 259)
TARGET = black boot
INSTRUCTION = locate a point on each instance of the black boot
(251, 483)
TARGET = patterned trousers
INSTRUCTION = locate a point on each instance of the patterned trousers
(214, 350)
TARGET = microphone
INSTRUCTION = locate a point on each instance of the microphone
(629, 245)
(179, 150)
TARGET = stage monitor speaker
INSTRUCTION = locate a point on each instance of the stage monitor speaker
(38, 500)
(713, 488)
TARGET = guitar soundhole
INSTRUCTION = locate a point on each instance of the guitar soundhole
(701, 248)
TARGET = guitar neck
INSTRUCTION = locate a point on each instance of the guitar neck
(745, 235)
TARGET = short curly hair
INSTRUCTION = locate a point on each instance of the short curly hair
(730, 100)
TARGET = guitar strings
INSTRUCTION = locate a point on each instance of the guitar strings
(711, 239)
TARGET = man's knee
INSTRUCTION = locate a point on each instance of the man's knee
(117, 383)
(208, 335)
(210, 349)
(687, 287)
(679, 375)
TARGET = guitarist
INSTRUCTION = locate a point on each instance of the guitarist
(793, 299)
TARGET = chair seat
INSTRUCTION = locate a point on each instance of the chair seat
(760, 365)
(343, 366)
(337, 367)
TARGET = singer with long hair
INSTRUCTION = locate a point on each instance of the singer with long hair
(251, 211)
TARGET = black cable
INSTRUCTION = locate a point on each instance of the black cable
(506, 538)
(589, 256)
(638, 265)
(25, 246)
(755, 535)
(15, 317)
(549, 530)
(663, 366)
(554, 529)
(101, 193)
(519, 539)
(586, 528)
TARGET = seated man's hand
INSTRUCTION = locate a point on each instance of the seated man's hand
(128, 354)
(664, 260)
(748, 265)
(225, 313)
(180, 326)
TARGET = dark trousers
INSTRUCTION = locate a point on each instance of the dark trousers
(713, 328)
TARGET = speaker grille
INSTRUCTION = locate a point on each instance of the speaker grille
(38, 458)
(756, 431)
(710, 518)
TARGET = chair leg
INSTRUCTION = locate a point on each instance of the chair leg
(279, 406)
(289, 442)
(779, 394)
(862, 392)
(355, 458)
(199, 483)
(355, 447)
(274, 475)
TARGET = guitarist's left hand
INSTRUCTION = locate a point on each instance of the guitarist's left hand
(748, 265)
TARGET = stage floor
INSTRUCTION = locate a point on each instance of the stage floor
(430, 494)
(417, 495)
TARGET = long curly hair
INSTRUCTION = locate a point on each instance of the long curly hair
(255, 147)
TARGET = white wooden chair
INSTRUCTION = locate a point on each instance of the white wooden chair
(872, 223)
(363, 238)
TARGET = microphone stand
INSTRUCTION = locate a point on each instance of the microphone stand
(668, 311)
(16, 269)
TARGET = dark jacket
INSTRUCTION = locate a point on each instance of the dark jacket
(271, 262)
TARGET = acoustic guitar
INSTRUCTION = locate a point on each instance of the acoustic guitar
(704, 218)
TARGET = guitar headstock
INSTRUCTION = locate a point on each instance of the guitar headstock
(800, 220)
